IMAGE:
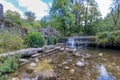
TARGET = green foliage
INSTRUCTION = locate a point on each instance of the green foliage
(10, 41)
(35, 39)
(108, 38)
(61, 15)
(52, 40)
(30, 16)
(4, 77)
(9, 64)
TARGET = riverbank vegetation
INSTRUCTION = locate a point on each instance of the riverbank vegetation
(68, 18)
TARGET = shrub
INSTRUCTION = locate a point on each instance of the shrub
(9, 64)
(108, 38)
(52, 40)
(35, 39)
(10, 41)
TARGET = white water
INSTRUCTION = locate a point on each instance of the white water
(71, 42)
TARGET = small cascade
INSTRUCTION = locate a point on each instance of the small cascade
(71, 42)
(104, 74)
(74, 42)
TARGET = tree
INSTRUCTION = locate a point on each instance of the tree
(13, 16)
(61, 13)
(30, 16)
(115, 11)
(91, 15)
(78, 11)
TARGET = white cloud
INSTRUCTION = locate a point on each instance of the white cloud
(9, 6)
(37, 6)
(104, 6)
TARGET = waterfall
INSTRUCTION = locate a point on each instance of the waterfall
(71, 42)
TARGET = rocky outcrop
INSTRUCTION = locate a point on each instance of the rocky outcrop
(49, 31)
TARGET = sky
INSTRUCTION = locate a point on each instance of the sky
(41, 7)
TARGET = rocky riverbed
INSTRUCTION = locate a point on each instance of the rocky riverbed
(82, 65)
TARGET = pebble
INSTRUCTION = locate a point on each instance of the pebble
(36, 60)
(14, 78)
(33, 64)
(72, 71)
(61, 49)
(64, 63)
(66, 68)
(80, 64)
(76, 54)
(100, 54)
(69, 60)
(59, 65)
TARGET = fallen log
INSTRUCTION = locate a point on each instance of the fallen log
(23, 52)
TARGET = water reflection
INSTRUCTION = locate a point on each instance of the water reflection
(104, 74)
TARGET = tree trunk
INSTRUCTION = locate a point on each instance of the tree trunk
(23, 52)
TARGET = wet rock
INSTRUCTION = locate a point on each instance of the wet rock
(64, 62)
(109, 66)
(87, 56)
(72, 50)
(105, 59)
(14, 78)
(69, 60)
(117, 67)
(80, 64)
(72, 71)
(59, 65)
(33, 64)
(67, 49)
(29, 70)
(100, 54)
(76, 54)
(66, 68)
(57, 47)
(113, 64)
(36, 60)
(61, 49)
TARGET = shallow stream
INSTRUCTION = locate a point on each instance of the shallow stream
(64, 64)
